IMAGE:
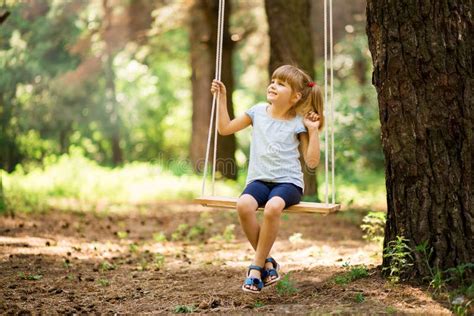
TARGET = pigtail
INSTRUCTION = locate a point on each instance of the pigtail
(317, 104)
(312, 100)
(311, 94)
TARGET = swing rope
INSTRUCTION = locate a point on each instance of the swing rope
(216, 98)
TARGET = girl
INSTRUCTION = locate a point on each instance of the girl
(293, 116)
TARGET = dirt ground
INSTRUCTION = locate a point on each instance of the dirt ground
(65, 262)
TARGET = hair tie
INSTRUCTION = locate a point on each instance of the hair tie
(311, 84)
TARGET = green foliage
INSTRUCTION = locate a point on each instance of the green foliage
(133, 247)
(258, 304)
(355, 273)
(122, 234)
(32, 277)
(67, 264)
(184, 309)
(400, 258)
(359, 298)
(458, 273)
(159, 237)
(461, 297)
(286, 286)
(103, 282)
(374, 226)
(159, 261)
(228, 234)
(74, 182)
(197, 232)
(106, 266)
(390, 310)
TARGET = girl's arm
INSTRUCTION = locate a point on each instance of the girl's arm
(226, 125)
(310, 141)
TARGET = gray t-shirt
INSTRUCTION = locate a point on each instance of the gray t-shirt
(274, 155)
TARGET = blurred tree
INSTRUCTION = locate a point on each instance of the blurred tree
(203, 33)
(423, 73)
(2, 197)
(347, 16)
(290, 38)
(34, 52)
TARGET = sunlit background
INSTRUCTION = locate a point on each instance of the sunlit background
(96, 103)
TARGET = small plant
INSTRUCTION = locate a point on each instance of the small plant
(143, 264)
(437, 283)
(359, 298)
(133, 247)
(286, 286)
(356, 272)
(399, 254)
(67, 264)
(32, 277)
(180, 232)
(103, 282)
(426, 254)
(460, 305)
(159, 237)
(228, 234)
(196, 232)
(184, 309)
(159, 261)
(390, 310)
(106, 266)
(457, 274)
(122, 234)
(258, 304)
(70, 277)
(342, 279)
(374, 226)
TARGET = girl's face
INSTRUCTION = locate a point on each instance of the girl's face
(280, 93)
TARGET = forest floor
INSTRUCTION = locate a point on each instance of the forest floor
(67, 262)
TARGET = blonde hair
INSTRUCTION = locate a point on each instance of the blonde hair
(299, 81)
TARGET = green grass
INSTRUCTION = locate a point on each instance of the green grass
(355, 273)
(76, 183)
(72, 182)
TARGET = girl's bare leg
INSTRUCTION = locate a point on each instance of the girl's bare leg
(246, 207)
(268, 230)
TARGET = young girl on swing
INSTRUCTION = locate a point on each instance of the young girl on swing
(293, 116)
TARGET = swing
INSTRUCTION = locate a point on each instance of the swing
(302, 207)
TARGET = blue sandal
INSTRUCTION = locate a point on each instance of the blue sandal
(253, 281)
(271, 272)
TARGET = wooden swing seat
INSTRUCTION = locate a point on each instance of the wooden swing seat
(302, 207)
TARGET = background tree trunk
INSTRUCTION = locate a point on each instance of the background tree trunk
(290, 43)
(203, 33)
(423, 73)
(114, 37)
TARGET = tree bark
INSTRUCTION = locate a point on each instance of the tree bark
(290, 43)
(423, 72)
(203, 33)
(112, 42)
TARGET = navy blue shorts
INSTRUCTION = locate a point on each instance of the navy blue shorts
(264, 191)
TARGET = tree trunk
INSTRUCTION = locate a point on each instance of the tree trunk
(203, 33)
(290, 43)
(423, 73)
(112, 109)
(112, 41)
